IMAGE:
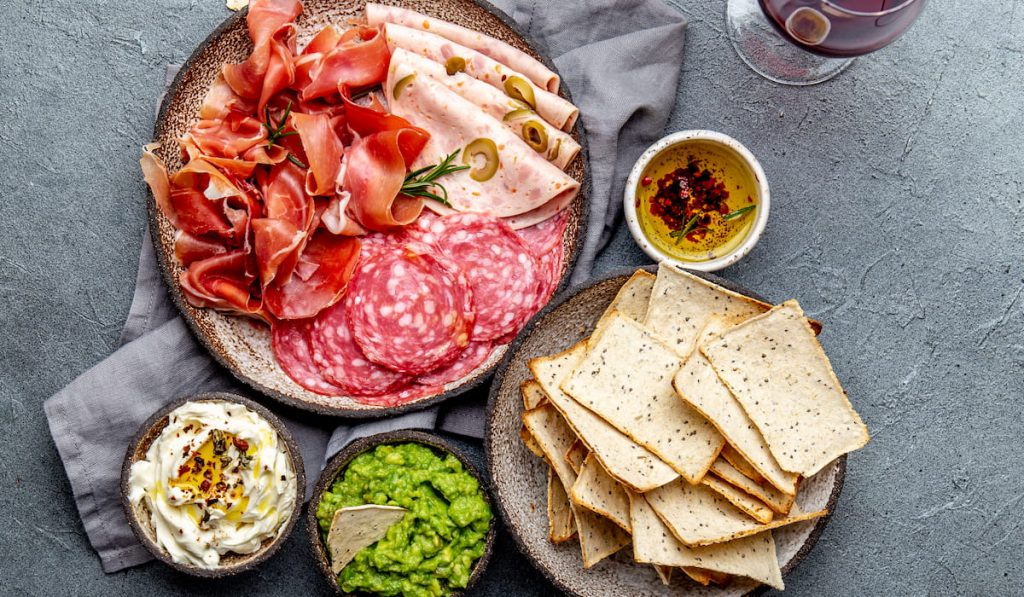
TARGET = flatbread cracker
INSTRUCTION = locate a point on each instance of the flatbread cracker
(561, 522)
(653, 543)
(358, 527)
(626, 379)
(697, 575)
(576, 454)
(682, 304)
(599, 537)
(779, 373)
(772, 497)
(750, 505)
(625, 460)
(741, 464)
(633, 297)
(699, 516)
(596, 491)
(699, 386)
(528, 441)
(664, 573)
(533, 394)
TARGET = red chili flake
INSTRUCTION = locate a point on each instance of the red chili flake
(685, 192)
(241, 444)
(186, 450)
(205, 485)
(646, 181)
(183, 469)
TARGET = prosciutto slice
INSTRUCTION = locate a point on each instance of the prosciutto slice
(223, 282)
(270, 68)
(359, 58)
(514, 58)
(374, 175)
(321, 275)
(523, 180)
(323, 150)
(551, 107)
(559, 149)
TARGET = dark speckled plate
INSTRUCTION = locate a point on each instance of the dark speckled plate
(242, 346)
(519, 478)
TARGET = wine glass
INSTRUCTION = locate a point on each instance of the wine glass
(803, 42)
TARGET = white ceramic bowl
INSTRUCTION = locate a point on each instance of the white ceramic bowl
(729, 145)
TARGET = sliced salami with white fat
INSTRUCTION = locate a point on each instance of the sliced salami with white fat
(342, 362)
(472, 357)
(500, 268)
(409, 311)
(290, 340)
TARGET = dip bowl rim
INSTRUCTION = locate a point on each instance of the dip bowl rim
(137, 448)
(340, 461)
(681, 138)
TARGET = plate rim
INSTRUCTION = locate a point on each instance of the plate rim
(166, 265)
(498, 381)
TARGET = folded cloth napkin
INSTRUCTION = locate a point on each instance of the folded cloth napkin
(620, 58)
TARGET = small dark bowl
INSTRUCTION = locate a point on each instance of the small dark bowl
(341, 461)
(138, 516)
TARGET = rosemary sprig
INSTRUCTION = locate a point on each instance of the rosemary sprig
(420, 182)
(276, 131)
(732, 215)
(679, 235)
(291, 158)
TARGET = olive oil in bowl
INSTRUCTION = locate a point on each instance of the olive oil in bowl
(697, 200)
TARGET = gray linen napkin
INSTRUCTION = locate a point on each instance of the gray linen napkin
(621, 58)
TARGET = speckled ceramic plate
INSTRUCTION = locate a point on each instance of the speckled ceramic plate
(340, 462)
(139, 516)
(519, 478)
(242, 346)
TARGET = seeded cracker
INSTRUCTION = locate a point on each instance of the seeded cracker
(633, 297)
(778, 371)
(750, 505)
(682, 304)
(741, 464)
(699, 516)
(596, 491)
(626, 379)
(575, 455)
(599, 537)
(700, 387)
(533, 394)
(653, 543)
(664, 573)
(561, 522)
(625, 460)
(531, 445)
(775, 499)
(357, 527)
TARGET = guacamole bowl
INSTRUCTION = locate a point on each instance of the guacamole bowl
(449, 519)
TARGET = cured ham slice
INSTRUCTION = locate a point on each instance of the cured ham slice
(555, 109)
(319, 280)
(359, 59)
(323, 150)
(410, 312)
(291, 343)
(270, 67)
(221, 100)
(521, 180)
(514, 58)
(222, 282)
(554, 144)
(374, 175)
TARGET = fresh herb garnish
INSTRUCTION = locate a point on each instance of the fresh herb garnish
(732, 215)
(420, 182)
(679, 235)
(276, 132)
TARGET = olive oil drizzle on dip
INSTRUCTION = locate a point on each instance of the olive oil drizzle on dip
(216, 480)
(695, 204)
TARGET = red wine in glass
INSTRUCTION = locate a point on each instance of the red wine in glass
(803, 42)
(841, 28)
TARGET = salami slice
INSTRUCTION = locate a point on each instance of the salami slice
(500, 269)
(471, 358)
(542, 238)
(409, 311)
(405, 395)
(290, 340)
(343, 363)
(551, 272)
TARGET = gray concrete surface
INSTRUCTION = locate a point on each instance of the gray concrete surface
(897, 220)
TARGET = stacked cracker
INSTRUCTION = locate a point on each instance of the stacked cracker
(684, 426)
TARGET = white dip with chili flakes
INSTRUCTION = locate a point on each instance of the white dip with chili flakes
(217, 479)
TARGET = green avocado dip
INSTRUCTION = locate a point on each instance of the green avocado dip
(431, 551)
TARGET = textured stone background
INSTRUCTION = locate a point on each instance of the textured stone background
(897, 220)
